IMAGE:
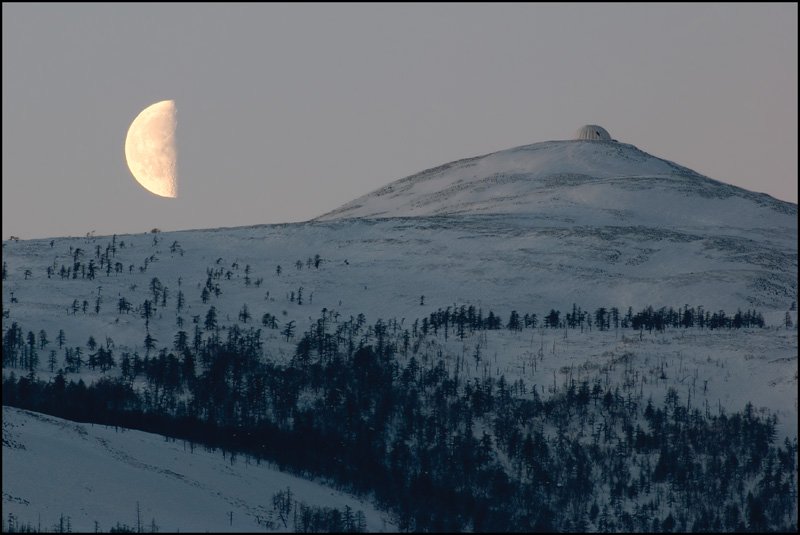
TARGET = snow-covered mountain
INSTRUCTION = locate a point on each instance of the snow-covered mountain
(609, 212)
(530, 229)
(602, 224)
(577, 182)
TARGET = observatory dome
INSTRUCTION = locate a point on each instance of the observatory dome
(593, 132)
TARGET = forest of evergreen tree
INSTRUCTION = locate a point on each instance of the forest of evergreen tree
(366, 409)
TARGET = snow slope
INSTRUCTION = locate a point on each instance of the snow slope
(580, 182)
(383, 267)
(599, 224)
(97, 473)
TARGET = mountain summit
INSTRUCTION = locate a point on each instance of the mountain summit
(592, 180)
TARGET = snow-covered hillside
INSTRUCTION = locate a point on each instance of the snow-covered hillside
(575, 182)
(626, 230)
(93, 473)
(539, 227)
(383, 268)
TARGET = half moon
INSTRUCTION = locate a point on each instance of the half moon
(150, 149)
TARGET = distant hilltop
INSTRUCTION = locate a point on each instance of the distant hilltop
(585, 179)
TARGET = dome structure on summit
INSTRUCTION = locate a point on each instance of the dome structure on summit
(593, 132)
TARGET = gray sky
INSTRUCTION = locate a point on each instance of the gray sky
(287, 111)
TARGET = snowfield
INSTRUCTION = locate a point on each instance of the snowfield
(94, 473)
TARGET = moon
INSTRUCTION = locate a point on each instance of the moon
(150, 149)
